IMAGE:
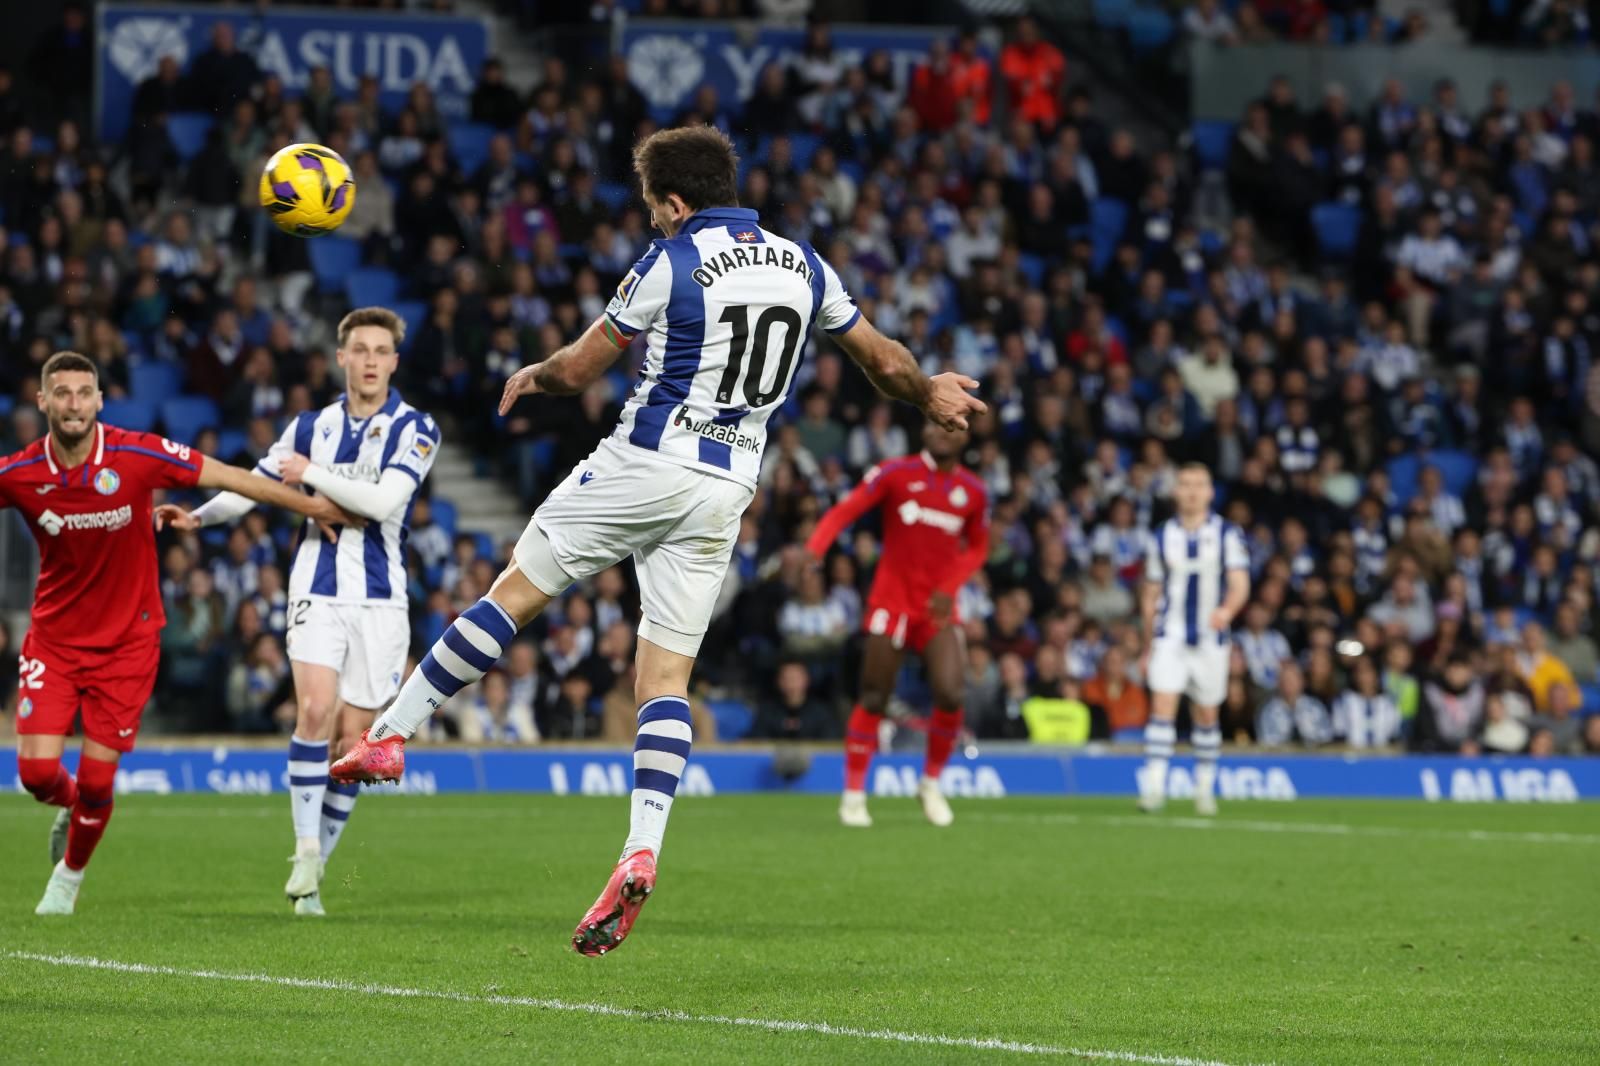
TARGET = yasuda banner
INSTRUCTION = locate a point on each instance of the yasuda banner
(592, 772)
(669, 59)
(445, 52)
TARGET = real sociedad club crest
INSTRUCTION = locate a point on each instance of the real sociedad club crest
(107, 482)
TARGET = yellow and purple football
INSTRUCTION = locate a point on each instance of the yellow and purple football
(307, 189)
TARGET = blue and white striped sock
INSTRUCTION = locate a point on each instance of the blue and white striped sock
(467, 651)
(1159, 737)
(659, 753)
(1207, 748)
(308, 777)
(337, 804)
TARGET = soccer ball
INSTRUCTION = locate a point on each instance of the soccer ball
(307, 189)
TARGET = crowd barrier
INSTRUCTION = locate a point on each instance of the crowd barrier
(1018, 772)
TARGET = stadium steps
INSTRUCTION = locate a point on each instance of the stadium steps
(483, 504)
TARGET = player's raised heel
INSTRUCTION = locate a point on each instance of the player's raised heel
(370, 761)
(934, 805)
(306, 877)
(58, 835)
(309, 906)
(614, 913)
(60, 893)
(853, 811)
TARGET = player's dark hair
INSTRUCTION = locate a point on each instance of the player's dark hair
(1199, 468)
(69, 361)
(698, 163)
(381, 317)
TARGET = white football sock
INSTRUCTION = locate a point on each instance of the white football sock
(308, 779)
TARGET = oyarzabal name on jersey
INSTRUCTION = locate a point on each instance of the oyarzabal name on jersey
(755, 255)
(722, 432)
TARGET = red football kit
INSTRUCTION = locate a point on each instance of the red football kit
(94, 641)
(935, 536)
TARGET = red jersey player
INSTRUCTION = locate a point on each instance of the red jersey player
(935, 536)
(94, 642)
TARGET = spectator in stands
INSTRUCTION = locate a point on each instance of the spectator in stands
(1452, 710)
(793, 713)
(1116, 695)
(1208, 20)
(495, 717)
(221, 75)
(1292, 715)
(1034, 71)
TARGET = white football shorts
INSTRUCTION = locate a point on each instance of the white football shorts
(679, 524)
(366, 645)
(1200, 672)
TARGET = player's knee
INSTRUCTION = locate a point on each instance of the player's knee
(947, 698)
(315, 714)
(38, 776)
(96, 780)
(874, 700)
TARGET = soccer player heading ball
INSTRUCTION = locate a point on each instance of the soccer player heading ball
(727, 309)
(93, 645)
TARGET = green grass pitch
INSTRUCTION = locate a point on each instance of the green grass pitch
(1318, 932)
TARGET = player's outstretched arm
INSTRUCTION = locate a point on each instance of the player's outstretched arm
(889, 366)
(570, 369)
(377, 502)
(215, 474)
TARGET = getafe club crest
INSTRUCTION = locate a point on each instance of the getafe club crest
(107, 482)
(958, 497)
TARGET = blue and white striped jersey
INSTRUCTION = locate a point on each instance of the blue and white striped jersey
(1192, 571)
(728, 308)
(367, 566)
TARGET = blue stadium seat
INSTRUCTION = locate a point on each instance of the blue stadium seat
(483, 543)
(444, 513)
(1108, 220)
(371, 287)
(802, 147)
(1113, 14)
(188, 130)
(1403, 471)
(1032, 267)
(7, 402)
(469, 144)
(155, 381)
(734, 719)
(135, 342)
(414, 313)
(1150, 29)
(1213, 138)
(185, 416)
(332, 260)
(614, 194)
(1590, 695)
(1338, 226)
(230, 442)
(1459, 469)
(137, 415)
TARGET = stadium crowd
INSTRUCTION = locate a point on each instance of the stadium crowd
(1404, 425)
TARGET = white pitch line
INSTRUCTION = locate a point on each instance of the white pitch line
(1158, 821)
(777, 1025)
